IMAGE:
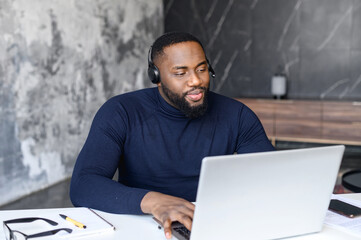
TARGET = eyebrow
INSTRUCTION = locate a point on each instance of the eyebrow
(185, 67)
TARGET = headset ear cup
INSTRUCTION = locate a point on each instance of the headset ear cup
(153, 74)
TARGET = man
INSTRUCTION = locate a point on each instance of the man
(157, 138)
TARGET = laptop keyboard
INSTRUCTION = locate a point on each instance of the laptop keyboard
(183, 231)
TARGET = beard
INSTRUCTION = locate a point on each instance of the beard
(180, 102)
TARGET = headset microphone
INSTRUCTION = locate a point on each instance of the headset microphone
(213, 73)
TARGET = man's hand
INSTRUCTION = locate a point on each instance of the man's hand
(168, 209)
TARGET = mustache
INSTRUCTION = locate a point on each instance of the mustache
(200, 89)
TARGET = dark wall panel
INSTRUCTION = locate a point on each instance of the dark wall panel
(317, 43)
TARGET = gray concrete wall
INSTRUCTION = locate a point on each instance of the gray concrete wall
(59, 61)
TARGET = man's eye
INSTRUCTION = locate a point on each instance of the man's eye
(202, 70)
(179, 74)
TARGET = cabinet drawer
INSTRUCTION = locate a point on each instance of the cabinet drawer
(343, 112)
(299, 119)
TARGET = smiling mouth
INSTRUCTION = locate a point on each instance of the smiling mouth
(195, 95)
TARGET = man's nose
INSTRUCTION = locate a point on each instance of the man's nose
(194, 80)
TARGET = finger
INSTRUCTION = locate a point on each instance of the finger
(190, 205)
(186, 221)
(186, 211)
(167, 228)
(175, 212)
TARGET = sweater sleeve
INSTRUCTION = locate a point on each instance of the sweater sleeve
(92, 183)
(251, 135)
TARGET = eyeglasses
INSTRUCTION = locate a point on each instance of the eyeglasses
(17, 235)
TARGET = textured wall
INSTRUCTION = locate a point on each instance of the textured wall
(59, 61)
(318, 42)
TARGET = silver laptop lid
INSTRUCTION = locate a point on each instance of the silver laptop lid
(265, 195)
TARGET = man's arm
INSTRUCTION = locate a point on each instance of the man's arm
(92, 184)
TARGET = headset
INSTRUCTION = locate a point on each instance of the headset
(153, 71)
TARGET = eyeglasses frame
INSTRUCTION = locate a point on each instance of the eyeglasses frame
(27, 220)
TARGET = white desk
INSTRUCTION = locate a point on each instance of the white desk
(143, 227)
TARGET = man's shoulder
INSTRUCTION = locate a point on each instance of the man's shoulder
(127, 105)
(132, 98)
(222, 101)
(129, 102)
(226, 106)
(133, 95)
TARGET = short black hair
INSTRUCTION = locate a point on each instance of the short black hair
(169, 39)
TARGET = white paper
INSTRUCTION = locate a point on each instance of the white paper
(94, 224)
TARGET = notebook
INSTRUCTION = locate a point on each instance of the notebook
(267, 195)
(95, 224)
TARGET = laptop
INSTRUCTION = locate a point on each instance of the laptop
(266, 195)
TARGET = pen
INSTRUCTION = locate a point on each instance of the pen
(78, 224)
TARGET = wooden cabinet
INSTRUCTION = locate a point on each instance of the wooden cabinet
(309, 121)
(298, 118)
(342, 121)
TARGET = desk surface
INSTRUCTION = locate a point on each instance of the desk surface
(143, 227)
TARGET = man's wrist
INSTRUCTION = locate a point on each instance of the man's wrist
(147, 202)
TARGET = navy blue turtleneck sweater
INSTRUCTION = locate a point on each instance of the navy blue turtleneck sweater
(156, 147)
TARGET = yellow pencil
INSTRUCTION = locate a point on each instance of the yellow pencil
(76, 223)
